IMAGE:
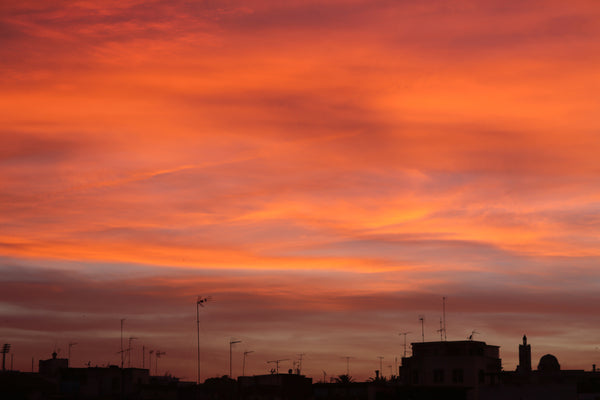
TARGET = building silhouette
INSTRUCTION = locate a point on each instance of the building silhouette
(467, 364)
(448, 370)
(524, 357)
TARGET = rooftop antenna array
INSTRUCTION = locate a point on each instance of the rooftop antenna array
(441, 330)
(199, 303)
(404, 334)
(277, 363)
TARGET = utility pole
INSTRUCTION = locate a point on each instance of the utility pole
(199, 303)
(404, 334)
(231, 343)
(244, 362)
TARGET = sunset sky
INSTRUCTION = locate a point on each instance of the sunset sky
(326, 171)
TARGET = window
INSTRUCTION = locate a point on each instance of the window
(438, 376)
(457, 375)
(481, 376)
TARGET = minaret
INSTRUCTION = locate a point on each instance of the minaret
(524, 357)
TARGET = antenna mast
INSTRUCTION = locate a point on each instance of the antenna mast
(129, 351)
(422, 319)
(348, 364)
(277, 363)
(444, 316)
(404, 334)
(231, 343)
(244, 363)
(5, 351)
(474, 332)
(71, 344)
(199, 303)
(157, 355)
(381, 365)
(300, 363)
(122, 353)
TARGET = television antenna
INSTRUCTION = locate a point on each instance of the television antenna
(473, 333)
(277, 363)
(404, 334)
(71, 344)
(200, 301)
(5, 351)
(131, 339)
(158, 354)
(231, 343)
(244, 362)
(348, 364)
(444, 316)
(122, 351)
(300, 362)
(381, 364)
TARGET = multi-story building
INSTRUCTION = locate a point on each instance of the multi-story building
(466, 364)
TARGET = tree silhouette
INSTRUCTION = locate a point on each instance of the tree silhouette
(344, 379)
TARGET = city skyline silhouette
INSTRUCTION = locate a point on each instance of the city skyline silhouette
(135, 348)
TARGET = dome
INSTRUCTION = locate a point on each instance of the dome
(548, 363)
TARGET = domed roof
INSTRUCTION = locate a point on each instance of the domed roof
(548, 363)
